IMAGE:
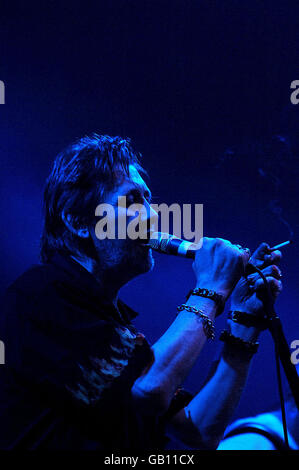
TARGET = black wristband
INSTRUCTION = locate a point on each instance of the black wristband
(248, 319)
(239, 343)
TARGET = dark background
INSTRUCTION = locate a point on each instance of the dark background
(201, 87)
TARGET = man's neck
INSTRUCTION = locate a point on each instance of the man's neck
(108, 290)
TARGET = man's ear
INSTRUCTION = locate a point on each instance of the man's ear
(70, 223)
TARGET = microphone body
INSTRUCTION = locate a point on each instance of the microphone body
(172, 245)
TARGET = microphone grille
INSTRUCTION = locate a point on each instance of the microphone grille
(154, 243)
(163, 245)
(159, 241)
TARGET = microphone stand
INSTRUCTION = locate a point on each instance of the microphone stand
(280, 342)
(282, 348)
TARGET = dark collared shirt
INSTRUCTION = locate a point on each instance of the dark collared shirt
(71, 361)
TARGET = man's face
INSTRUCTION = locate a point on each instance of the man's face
(126, 256)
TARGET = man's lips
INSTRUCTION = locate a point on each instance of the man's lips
(145, 241)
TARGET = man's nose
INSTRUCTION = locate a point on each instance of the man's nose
(152, 218)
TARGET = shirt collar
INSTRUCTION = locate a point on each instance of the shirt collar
(86, 282)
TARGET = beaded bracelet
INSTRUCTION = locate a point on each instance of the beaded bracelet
(239, 343)
(209, 294)
(248, 319)
(208, 325)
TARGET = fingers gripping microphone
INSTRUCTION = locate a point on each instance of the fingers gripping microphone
(172, 245)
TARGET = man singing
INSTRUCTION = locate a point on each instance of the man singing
(78, 375)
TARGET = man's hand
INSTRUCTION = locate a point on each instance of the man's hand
(248, 294)
(219, 265)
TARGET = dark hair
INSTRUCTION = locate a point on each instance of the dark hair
(81, 176)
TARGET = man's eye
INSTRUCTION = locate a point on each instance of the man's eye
(132, 200)
(136, 197)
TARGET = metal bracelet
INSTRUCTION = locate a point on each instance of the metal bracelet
(208, 325)
(209, 294)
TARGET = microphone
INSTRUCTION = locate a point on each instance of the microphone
(172, 245)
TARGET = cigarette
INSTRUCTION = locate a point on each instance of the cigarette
(276, 247)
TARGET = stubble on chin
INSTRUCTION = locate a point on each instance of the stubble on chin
(125, 257)
(141, 261)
